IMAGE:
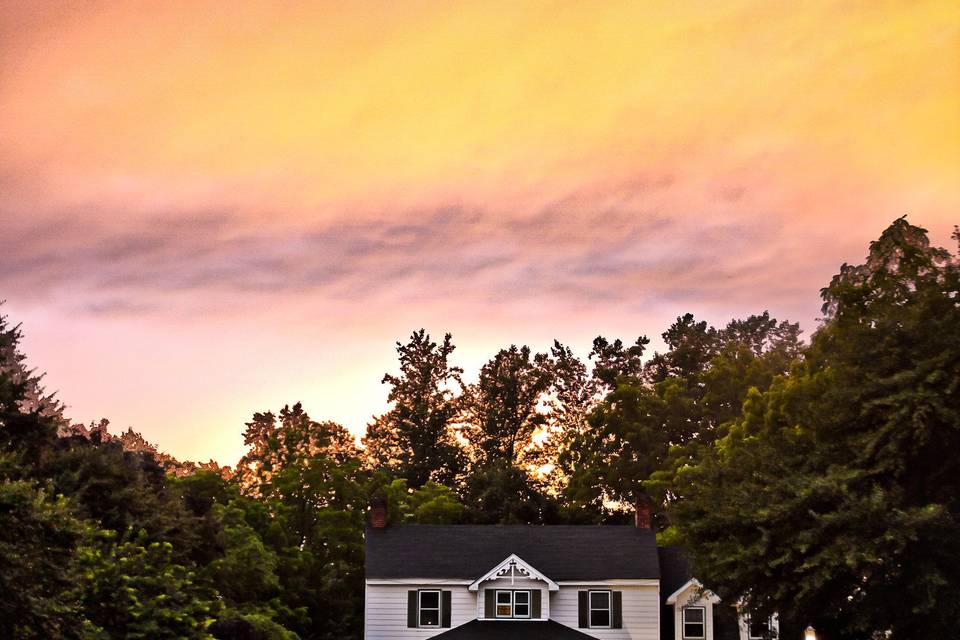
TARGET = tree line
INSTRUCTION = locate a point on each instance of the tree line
(816, 479)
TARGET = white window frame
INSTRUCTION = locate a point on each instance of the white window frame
(608, 609)
(513, 604)
(528, 603)
(420, 608)
(749, 622)
(497, 603)
(702, 622)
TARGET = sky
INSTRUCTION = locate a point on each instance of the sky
(209, 209)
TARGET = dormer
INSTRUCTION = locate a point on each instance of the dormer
(513, 590)
(692, 607)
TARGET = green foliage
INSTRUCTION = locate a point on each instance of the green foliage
(39, 536)
(430, 504)
(415, 440)
(835, 497)
(659, 418)
(134, 589)
(505, 494)
(250, 626)
(502, 410)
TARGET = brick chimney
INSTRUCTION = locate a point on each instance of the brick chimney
(643, 516)
(378, 513)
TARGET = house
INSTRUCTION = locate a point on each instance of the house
(472, 582)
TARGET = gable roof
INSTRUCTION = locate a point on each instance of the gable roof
(693, 583)
(561, 552)
(503, 630)
(512, 564)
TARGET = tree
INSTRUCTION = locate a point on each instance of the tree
(135, 589)
(415, 439)
(656, 420)
(29, 418)
(613, 362)
(307, 479)
(22, 388)
(835, 497)
(572, 397)
(430, 504)
(39, 537)
(502, 410)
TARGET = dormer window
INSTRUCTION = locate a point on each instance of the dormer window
(694, 623)
(512, 604)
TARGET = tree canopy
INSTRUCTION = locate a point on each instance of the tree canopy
(819, 481)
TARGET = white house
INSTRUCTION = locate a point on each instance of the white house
(467, 582)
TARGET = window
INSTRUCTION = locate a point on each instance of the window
(759, 629)
(429, 609)
(513, 604)
(694, 622)
(521, 604)
(599, 609)
(504, 604)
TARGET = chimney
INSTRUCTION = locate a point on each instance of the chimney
(378, 513)
(643, 517)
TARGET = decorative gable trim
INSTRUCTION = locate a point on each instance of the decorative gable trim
(514, 567)
(707, 595)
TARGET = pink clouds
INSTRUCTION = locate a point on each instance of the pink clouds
(260, 201)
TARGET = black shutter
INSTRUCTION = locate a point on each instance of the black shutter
(616, 609)
(489, 609)
(445, 610)
(412, 608)
(583, 609)
(535, 603)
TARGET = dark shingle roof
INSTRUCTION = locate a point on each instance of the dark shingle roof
(561, 552)
(674, 570)
(500, 630)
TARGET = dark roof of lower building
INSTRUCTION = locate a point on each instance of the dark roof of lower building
(561, 552)
(503, 630)
(674, 570)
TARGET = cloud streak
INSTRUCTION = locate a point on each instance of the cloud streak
(238, 207)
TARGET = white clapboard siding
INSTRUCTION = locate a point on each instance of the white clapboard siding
(641, 611)
(385, 610)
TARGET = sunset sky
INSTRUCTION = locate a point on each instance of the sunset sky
(214, 208)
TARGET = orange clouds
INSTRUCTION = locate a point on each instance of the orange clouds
(486, 165)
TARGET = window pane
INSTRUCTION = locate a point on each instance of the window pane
(521, 597)
(599, 600)
(758, 629)
(600, 618)
(503, 597)
(429, 599)
(693, 630)
(693, 615)
(429, 618)
(521, 611)
(503, 610)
